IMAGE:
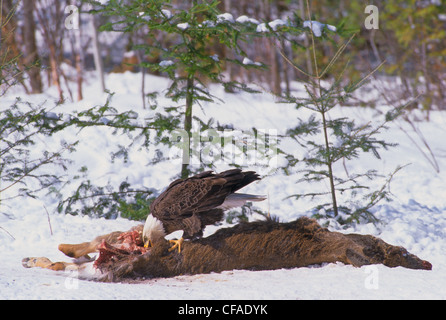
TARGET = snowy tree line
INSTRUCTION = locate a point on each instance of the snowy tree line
(410, 37)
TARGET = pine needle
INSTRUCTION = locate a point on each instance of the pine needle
(7, 232)
(49, 221)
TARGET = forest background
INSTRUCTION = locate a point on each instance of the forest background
(409, 37)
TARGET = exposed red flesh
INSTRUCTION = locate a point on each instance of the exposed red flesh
(129, 243)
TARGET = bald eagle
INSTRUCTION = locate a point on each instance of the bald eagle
(193, 203)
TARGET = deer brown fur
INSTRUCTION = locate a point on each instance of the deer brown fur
(266, 245)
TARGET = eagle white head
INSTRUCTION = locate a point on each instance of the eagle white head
(153, 231)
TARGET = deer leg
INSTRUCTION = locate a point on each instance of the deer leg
(42, 262)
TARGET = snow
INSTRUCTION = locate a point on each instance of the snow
(129, 54)
(166, 13)
(246, 19)
(225, 17)
(215, 57)
(262, 27)
(208, 24)
(167, 63)
(51, 116)
(247, 61)
(183, 26)
(318, 27)
(416, 219)
(277, 23)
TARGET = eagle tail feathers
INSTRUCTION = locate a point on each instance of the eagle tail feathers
(239, 199)
(237, 179)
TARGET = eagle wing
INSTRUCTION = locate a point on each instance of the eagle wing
(185, 199)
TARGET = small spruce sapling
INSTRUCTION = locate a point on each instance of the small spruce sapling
(328, 141)
(188, 62)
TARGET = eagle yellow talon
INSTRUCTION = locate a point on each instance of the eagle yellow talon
(177, 244)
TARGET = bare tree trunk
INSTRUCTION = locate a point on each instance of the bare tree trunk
(78, 54)
(187, 127)
(80, 78)
(429, 94)
(31, 59)
(9, 50)
(226, 51)
(373, 45)
(97, 54)
(306, 41)
(51, 41)
(286, 75)
(55, 72)
(275, 78)
(329, 165)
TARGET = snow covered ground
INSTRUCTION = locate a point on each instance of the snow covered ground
(416, 219)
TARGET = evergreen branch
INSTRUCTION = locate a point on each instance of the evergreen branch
(363, 80)
(336, 56)
(282, 53)
(46, 161)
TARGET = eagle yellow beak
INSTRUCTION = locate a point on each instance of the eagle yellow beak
(148, 244)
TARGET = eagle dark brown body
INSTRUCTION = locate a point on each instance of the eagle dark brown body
(192, 204)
